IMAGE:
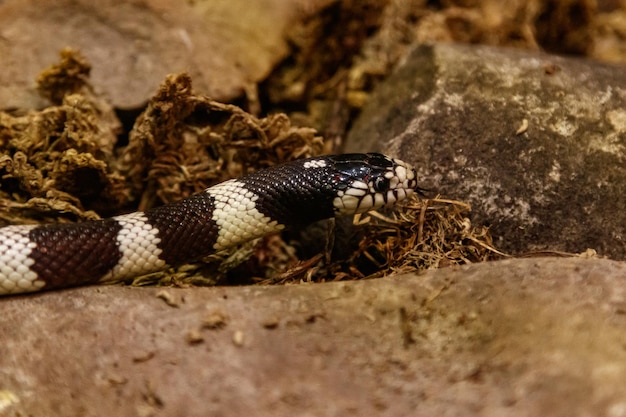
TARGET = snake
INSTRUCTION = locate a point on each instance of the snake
(268, 200)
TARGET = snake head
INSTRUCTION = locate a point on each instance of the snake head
(370, 181)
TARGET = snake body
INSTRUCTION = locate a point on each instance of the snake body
(297, 193)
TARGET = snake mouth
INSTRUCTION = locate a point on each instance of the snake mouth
(351, 204)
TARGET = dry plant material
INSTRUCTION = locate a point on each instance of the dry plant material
(183, 143)
(416, 236)
(423, 234)
(54, 162)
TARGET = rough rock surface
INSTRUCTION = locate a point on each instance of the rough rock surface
(526, 337)
(536, 143)
(225, 45)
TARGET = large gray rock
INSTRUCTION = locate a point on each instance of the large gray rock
(458, 112)
(532, 337)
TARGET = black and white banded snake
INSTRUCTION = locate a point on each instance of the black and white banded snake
(297, 193)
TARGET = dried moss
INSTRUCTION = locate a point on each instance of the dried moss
(424, 234)
(69, 76)
(53, 162)
(183, 143)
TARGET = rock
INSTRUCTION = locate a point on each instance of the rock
(226, 46)
(534, 142)
(526, 337)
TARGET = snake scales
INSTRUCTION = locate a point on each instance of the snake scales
(297, 193)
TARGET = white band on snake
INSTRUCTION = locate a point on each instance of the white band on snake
(34, 258)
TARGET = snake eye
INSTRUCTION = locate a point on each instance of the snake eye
(381, 184)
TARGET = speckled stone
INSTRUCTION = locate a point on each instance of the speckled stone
(535, 143)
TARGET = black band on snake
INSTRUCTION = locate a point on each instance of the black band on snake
(34, 258)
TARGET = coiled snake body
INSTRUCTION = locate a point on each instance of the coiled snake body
(34, 258)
